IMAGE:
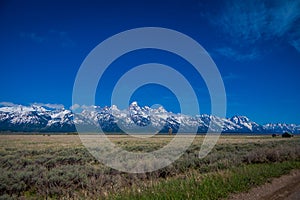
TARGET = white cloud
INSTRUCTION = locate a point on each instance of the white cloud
(78, 108)
(51, 36)
(283, 16)
(243, 20)
(8, 104)
(258, 20)
(236, 55)
(49, 105)
(230, 76)
(63, 38)
(296, 44)
(74, 107)
(33, 36)
(250, 23)
(90, 107)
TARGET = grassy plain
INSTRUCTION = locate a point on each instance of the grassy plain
(59, 167)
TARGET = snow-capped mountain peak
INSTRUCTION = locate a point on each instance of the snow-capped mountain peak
(240, 119)
(112, 119)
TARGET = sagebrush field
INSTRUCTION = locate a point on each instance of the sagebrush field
(59, 167)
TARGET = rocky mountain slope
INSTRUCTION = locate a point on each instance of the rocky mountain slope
(134, 119)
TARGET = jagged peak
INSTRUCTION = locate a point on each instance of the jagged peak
(18, 113)
(238, 119)
(134, 103)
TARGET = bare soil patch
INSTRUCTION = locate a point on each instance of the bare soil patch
(286, 187)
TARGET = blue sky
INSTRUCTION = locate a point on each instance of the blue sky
(255, 45)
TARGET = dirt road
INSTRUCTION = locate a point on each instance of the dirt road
(286, 187)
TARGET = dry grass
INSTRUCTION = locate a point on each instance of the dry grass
(45, 141)
(37, 166)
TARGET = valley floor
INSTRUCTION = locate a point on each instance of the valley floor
(59, 166)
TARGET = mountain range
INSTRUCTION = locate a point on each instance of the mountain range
(39, 118)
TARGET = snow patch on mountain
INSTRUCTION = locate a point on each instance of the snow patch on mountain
(133, 119)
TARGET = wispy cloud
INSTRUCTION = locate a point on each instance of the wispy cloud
(33, 36)
(237, 55)
(78, 108)
(296, 44)
(49, 105)
(64, 38)
(243, 20)
(74, 107)
(8, 104)
(230, 76)
(252, 22)
(283, 16)
(258, 20)
(295, 37)
(52, 36)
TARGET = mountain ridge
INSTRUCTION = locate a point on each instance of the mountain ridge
(39, 118)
